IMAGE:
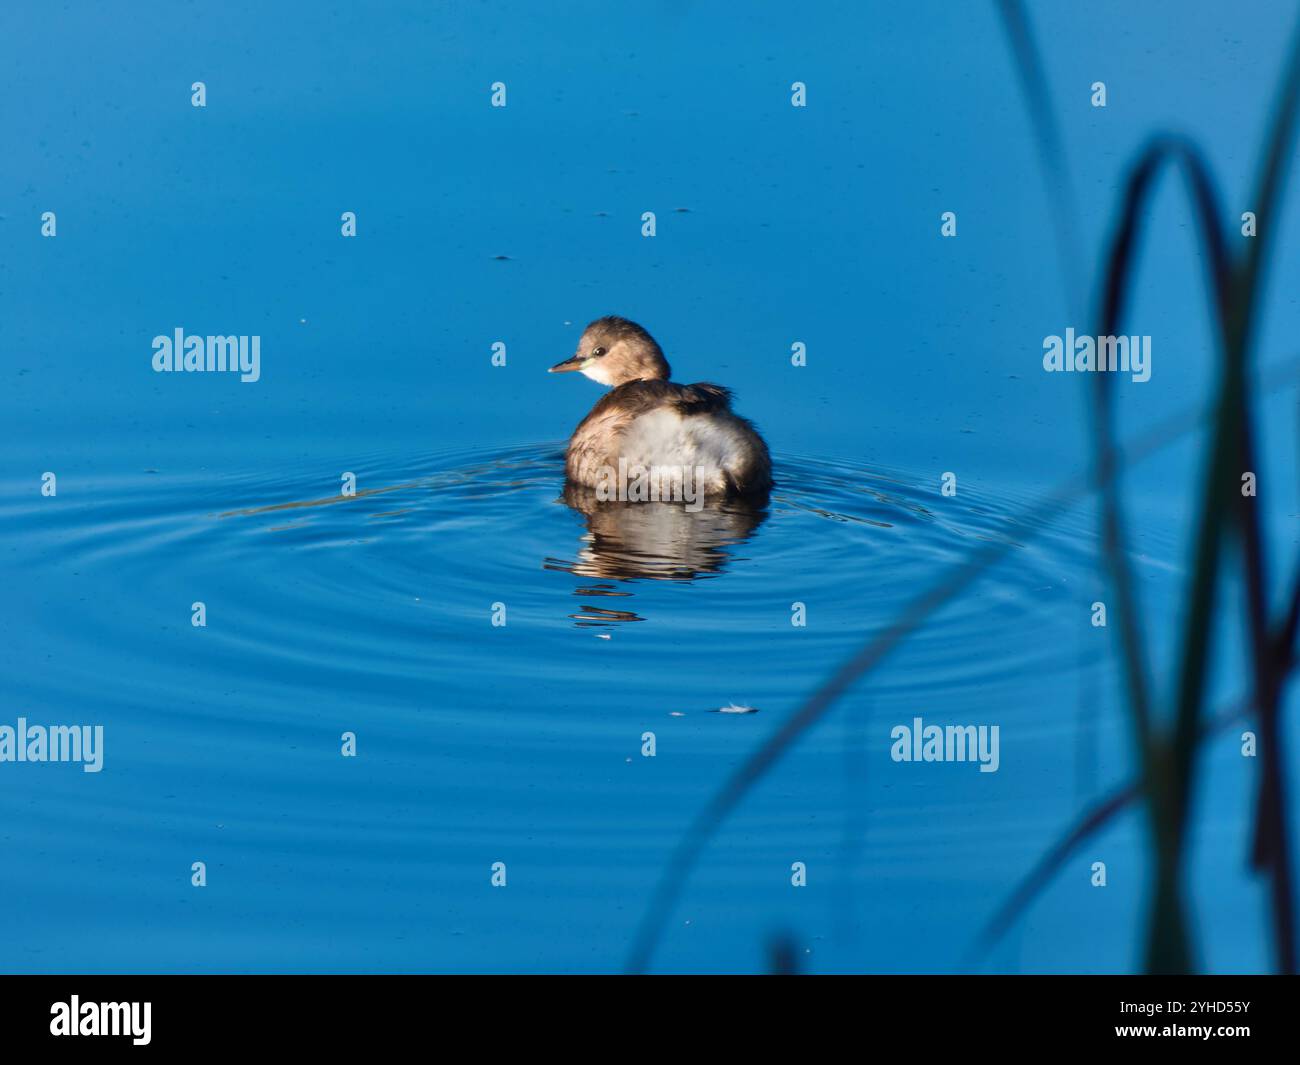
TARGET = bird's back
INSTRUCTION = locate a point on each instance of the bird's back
(655, 423)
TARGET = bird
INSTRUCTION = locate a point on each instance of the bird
(648, 421)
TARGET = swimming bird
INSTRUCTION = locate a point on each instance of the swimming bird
(649, 421)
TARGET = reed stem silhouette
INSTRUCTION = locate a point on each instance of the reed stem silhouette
(1227, 518)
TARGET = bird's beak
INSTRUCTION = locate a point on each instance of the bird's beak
(575, 362)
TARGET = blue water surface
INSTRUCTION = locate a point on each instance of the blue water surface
(373, 614)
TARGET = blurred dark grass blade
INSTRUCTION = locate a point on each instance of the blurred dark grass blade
(1092, 821)
(1065, 496)
(1166, 779)
(1271, 850)
(1168, 761)
(1124, 245)
(1052, 157)
(1167, 756)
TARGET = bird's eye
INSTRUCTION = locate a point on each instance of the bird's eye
(596, 353)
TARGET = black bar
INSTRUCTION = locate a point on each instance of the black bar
(340, 1014)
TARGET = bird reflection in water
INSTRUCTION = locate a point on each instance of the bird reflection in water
(657, 541)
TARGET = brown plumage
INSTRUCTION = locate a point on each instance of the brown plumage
(650, 421)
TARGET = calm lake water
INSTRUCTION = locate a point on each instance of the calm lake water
(373, 614)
